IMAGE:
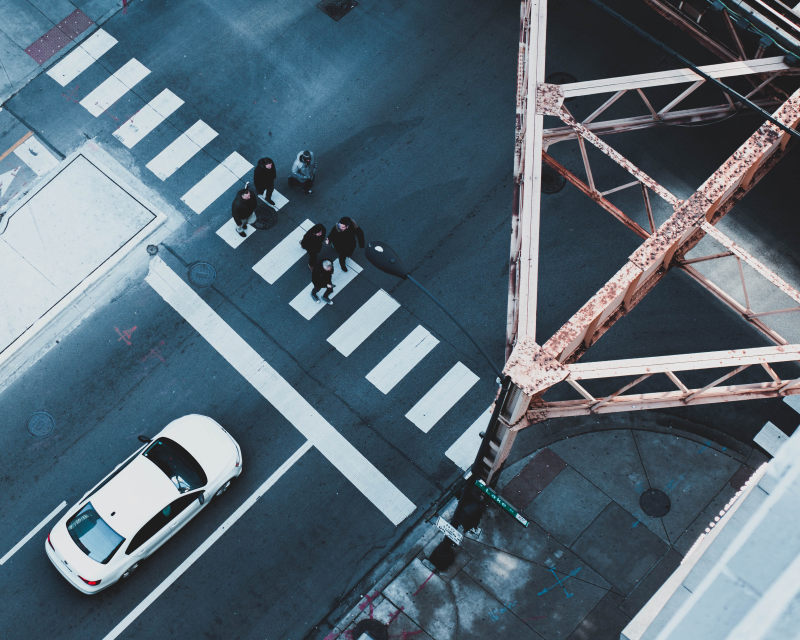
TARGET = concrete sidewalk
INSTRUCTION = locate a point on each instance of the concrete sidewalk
(590, 558)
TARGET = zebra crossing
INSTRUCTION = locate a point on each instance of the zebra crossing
(771, 437)
(404, 357)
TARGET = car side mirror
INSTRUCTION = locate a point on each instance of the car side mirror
(144, 439)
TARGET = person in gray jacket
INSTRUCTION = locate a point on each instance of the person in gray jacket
(304, 171)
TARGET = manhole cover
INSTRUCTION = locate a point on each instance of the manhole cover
(41, 424)
(337, 9)
(655, 503)
(152, 249)
(202, 274)
(552, 180)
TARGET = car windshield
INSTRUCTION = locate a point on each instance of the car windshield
(93, 535)
(176, 462)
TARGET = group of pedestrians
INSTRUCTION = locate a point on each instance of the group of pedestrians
(345, 235)
(243, 209)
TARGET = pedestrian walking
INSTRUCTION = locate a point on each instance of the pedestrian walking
(304, 171)
(243, 209)
(312, 242)
(321, 279)
(264, 179)
(343, 236)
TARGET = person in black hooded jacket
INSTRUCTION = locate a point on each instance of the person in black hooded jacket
(312, 242)
(243, 209)
(264, 179)
(343, 236)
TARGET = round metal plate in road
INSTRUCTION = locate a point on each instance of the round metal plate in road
(655, 503)
(41, 424)
(202, 274)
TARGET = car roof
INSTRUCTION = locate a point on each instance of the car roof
(133, 496)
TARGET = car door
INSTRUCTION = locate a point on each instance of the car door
(160, 527)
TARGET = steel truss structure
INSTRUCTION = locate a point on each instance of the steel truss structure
(532, 369)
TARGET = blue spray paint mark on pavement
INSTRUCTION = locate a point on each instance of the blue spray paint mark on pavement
(560, 582)
(494, 614)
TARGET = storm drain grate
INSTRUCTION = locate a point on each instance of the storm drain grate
(41, 424)
(337, 9)
(202, 274)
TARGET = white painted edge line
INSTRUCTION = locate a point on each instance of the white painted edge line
(82, 57)
(113, 88)
(33, 532)
(770, 438)
(348, 460)
(195, 555)
(442, 396)
(463, 451)
(364, 322)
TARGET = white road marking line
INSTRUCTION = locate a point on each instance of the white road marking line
(278, 198)
(36, 156)
(770, 438)
(279, 393)
(465, 448)
(358, 327)
(32, 533)
(218, 181)
(197, 553)
(283, 255)
(442, 397)
(181, 150)
(307, 307)
(230, 235)
(81, 57)
(148, 118)
(107, 93)
(402, 359)
(793, 402)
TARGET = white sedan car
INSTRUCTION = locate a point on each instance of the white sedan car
(143, 502)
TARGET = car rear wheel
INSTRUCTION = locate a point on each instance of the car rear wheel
(223, 488)
(129, 570)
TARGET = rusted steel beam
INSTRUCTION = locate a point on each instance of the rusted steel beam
(647, 265)
(638, 123)
(667, 11)
(524, 253)
(541, 411)
(594, 195)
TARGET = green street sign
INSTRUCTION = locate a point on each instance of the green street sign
(503, 504)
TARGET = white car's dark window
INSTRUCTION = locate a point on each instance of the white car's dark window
(160, 520)
(176, 462)
(93, 535)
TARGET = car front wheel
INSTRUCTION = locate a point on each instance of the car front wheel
(130, 570)
(223, 488)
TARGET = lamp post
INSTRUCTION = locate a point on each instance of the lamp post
(470, 503)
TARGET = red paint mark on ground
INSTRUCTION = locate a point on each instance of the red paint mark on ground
(422, 585)
(125, 335)
(393, 617)
(124, 7)
(369, 599)
(154, 353)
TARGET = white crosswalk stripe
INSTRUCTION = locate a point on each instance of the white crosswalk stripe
(148, 118)
(770, 438)
(402, 359)
(281, 258)
(358, 327)
(107, 93)
(442, 397)
(279, 393)
(230, 235)
(218, 181)
(278, 198)
(305, 305)
(181, 150)
(81, 57)
(465, 448)
(793, 402)
(36, 156)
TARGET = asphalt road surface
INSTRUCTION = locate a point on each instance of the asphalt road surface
(410, 108)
